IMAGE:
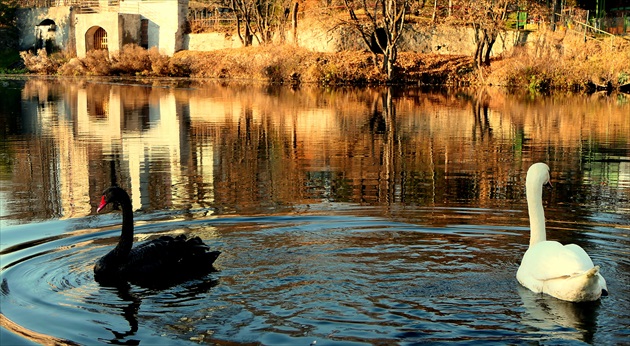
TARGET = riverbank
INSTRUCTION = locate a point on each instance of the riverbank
(280, 64)
(575, 66)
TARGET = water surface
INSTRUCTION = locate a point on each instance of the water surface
(350, 216)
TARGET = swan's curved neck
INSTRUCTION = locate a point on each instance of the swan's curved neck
(536, 214)
(126, 236)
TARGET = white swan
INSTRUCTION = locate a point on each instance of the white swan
(562, 271)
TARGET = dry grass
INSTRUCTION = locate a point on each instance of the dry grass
(271, 63)
(568, 66)
(575, 65)
(132, 60)
(289, 64)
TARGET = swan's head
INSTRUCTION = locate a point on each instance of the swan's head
(113, 195)
(537, 175)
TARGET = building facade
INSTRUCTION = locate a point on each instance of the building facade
(81, 26)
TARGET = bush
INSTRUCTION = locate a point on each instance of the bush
(97, 63)
(74, 67)
(40, 62)
(131, 60)
(580, 66)
(159, 62)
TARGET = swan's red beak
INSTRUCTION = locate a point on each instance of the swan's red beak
(102, 205)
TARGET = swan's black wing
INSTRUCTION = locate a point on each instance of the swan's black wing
(169, 259)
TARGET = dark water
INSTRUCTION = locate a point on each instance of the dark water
(368, 216)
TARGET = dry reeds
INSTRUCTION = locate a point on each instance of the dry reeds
(572, 65)
(555, 63)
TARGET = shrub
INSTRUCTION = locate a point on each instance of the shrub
(581, 65)
(97, 63)
(40, 62)
(131, 60)
(74, 67)
(159, 62)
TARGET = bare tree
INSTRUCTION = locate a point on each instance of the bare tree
(487, 18)
(381, 25)
(260, 19)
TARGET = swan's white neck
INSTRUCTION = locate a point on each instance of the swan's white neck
(536, 213)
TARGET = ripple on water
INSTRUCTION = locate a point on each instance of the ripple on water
(295, 279)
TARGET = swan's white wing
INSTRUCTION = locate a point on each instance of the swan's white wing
(551, 260)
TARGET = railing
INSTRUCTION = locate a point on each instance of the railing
(589, 31)
(97, 6)
(83, 6)
(200, 20)
(47, 3)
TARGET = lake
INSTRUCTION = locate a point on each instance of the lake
(345, 216)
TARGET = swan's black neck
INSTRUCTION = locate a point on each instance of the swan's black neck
(126, 237)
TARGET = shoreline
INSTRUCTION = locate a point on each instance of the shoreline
(290, 65)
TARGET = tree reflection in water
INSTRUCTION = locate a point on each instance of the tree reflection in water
(340, 190)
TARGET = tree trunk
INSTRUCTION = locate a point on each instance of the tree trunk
(294, 21)
(490, 39)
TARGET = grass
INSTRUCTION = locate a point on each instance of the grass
(278, 64)
(10, 63)
(570, 65)
(575, 65)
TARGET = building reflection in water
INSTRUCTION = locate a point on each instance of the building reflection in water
(247, 149)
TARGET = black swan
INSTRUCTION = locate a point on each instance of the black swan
(159, 262)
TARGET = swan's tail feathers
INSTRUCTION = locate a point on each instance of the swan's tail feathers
(212, 255)
(592, 272)
(589, 273)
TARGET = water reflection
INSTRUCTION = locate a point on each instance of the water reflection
(352, 215)
(562, 320)
(240, 149)
(128, 300)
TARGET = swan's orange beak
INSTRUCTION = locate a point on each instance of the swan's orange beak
(102, 205)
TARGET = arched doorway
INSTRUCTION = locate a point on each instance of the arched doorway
(45, 35)
(96, 39)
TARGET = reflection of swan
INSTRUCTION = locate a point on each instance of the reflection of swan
(565, 272)
(130, 301)
(155, 263)
(129, 313)
(562, 319)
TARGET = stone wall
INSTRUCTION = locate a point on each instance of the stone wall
(422, 39)
(211, 41)
(62, 35)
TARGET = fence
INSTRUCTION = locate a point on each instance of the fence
(206, 19)
(82, 6)
(594, 27)
(589, 31)
(76, 3)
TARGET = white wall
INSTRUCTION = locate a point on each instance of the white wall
(107, 20)
(167, 21)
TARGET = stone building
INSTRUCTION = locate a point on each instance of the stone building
(79, 26)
